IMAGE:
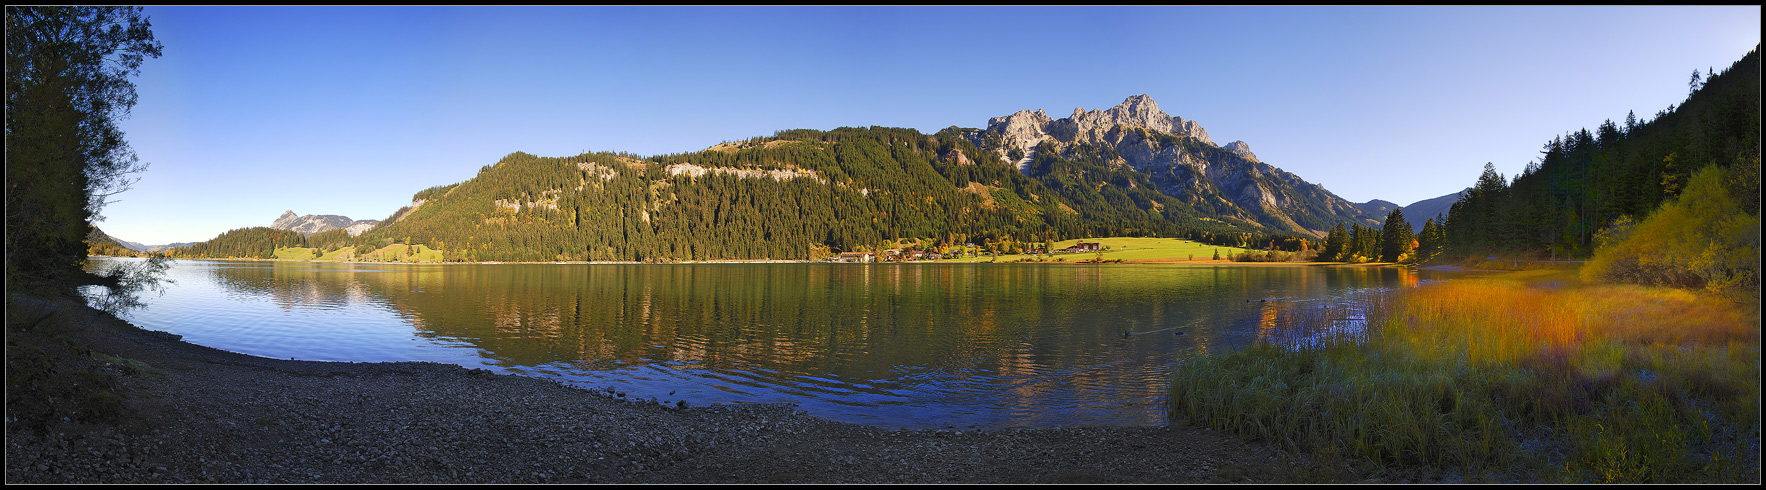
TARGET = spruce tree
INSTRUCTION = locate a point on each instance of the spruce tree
(1334, 243)
(1395, 237)
(1428, 241)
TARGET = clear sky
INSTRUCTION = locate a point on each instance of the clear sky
(349, 110)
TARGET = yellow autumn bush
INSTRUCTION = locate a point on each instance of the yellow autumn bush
(1704, 238)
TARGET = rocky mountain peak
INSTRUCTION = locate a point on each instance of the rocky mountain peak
(1023, 130)
(286, 220)
(314, 223)
(1234, 183)
(1141, 110)
(1243, 149)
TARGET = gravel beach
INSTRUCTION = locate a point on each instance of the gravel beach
(197, 415)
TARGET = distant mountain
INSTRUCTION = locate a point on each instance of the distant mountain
(1377, 208)
(1422, 211)
(133, 245)
(315, 223)
(1226, 183)
(99, 236)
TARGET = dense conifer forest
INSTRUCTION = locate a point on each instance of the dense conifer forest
(1587, 180)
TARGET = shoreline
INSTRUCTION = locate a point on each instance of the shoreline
(1198, 263)
(199, 414)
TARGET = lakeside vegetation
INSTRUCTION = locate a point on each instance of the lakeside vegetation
(1564, 382)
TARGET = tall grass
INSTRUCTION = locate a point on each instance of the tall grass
(1595, 383)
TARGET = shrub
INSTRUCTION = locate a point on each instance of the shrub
(1704, 238)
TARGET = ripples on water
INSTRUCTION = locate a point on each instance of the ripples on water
(895, 345)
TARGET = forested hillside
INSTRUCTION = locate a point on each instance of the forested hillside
(100, 243)
(1589, 180)
(801, 194)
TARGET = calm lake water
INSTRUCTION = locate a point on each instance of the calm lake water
(892, 345)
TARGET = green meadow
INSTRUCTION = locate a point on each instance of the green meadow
(397, 252)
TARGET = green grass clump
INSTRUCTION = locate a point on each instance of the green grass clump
(1579, 384)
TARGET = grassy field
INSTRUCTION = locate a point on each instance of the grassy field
(1129, 249)
(297, 253)
(1526, 376)
(396, 252)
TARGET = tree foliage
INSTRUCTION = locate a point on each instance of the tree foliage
(258, 242)
(1585, 180)
(1704, 238)
(1431, 241)
(1395, 237)
(67, 82)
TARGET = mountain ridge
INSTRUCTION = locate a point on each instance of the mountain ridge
(1130, 170)
(1181, 159)
(316, 223)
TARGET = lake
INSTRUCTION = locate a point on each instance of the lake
(891, 345)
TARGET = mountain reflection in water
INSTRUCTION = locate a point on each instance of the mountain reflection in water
(894, 345)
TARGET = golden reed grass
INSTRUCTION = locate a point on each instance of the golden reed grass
(1627, 383)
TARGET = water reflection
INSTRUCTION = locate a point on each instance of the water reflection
(899, 345)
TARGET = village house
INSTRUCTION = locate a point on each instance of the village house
(1080, 247)
(891, 255)
(855, 257)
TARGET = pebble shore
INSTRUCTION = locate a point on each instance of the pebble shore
(200, 415)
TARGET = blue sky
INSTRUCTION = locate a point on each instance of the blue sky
(349, 110)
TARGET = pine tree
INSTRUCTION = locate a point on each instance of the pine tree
(1395, 237)
(1334, 244)
(1428, 242)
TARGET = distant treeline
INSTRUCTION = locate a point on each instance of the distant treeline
(258, 242)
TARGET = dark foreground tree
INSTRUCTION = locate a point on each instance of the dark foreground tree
(1395, 237)
(67, 83)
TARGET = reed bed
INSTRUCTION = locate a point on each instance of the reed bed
(1598, 383)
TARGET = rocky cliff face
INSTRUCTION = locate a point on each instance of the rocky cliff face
(314, 223)
(1023, 130)
(1180, 158)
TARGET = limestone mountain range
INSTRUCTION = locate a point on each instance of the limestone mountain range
(1228, 181)
(1133, 146)
(315, 223)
